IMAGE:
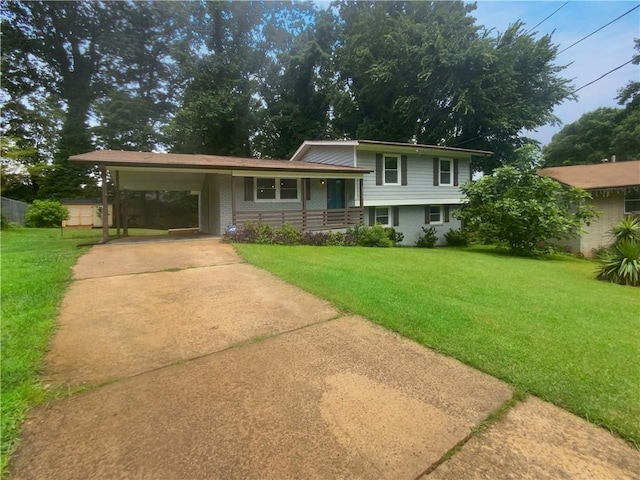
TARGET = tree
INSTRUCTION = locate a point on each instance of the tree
(626, 140)
(56, 48)
(297, 91)
(145, 81)
(601, 133)
(585, 141)
(75, 53)
(523, 211)
(425, 72)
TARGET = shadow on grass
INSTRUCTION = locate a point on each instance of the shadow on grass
(497, 251)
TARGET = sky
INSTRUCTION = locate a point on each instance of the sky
(588, 60)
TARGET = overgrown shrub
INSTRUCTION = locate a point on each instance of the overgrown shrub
(396, 237)
(620, 263)
(373, 236)
(286, 235)
(428, 238)
(4, 223)
(457, 238)
(46, 214)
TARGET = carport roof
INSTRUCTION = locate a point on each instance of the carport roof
(115, 158)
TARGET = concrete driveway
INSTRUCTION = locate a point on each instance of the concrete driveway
(195, 365)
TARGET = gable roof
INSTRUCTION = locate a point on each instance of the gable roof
(597, 176)
(121, 158)
(395, 146)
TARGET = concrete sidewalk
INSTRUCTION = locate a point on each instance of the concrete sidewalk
(198, 366)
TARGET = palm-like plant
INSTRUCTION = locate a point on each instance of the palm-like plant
(627, 228)
(622, 263)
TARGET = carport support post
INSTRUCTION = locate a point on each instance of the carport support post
(105, 205)
(116, 208)
(125, 224)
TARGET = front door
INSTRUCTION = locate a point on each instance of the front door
(336, 197)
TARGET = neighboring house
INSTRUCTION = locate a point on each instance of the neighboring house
(84, 213)
(325, 185)
(615, 188)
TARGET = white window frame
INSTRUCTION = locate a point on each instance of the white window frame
(277, 184)
(440, 171)
(388, 215)
(398, 168)
(440, 220)
(634, 198)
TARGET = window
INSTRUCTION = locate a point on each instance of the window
(382, 215)
(275, 189)
(288, 189)
(632, 201)
(391, 170)
(445, 172)
(435, 214)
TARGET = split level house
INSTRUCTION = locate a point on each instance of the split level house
(615, 191)
(326, 185)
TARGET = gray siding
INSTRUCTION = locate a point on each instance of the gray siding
(334, 155)
(419, 188)
(318, 199)
(412, 221)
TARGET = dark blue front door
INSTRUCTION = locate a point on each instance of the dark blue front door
(335, 193)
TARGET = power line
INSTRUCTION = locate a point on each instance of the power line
(596, 31)
(540, 23)
(601, 77)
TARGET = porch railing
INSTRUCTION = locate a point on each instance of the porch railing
(305, 220)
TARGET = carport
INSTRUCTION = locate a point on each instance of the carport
(228, 191)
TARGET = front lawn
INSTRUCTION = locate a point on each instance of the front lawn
(544, 326)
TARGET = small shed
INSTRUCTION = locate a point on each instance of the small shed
(85, 213)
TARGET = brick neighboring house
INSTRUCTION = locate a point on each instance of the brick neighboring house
(615, 188)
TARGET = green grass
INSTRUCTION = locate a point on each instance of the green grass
(544, 326)
(36, 268)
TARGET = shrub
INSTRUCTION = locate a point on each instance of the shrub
(428, 238)
(329, 239)
(46, 214)
(286, 235)
(396, 237)
(622, 265)
(457, 238)
(249, 232)
(4, 223)
(372, 236)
